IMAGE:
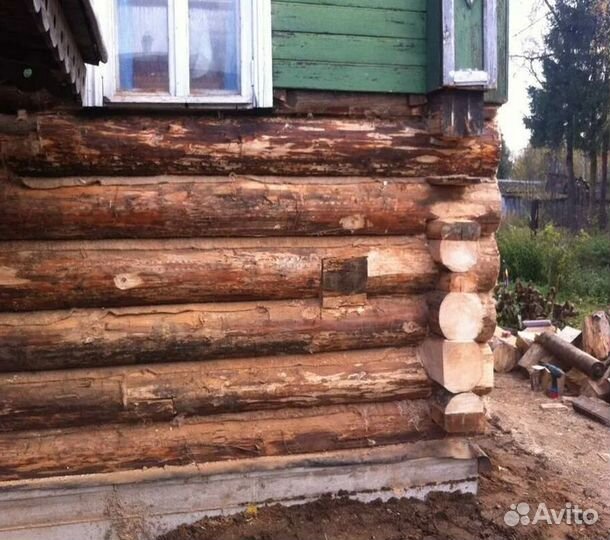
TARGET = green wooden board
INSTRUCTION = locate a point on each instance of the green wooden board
(349, 77)
(352, 21)
(500, 95)
(469, 35)
(349, 49)
(402, 5)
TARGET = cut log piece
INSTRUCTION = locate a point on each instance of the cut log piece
(456, 316)
(535, 355)
(506, 354)
(458, 413)
(57, 275)
(456, 365)
(598, 389)
(69, 144)
(179, 207)
(72, 451)
(570, 355)
(443, 229)
(193, 332)
(42, 400)
(481, 278)
(455, 255)
(486, 384)
(596, 335)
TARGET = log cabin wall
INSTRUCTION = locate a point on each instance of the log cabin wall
(180, 287)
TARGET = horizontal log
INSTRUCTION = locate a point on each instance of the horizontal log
(179, 207)
(455, 255)
(69, 144)
(158, 392)
(94, 338)
(570, 355)
(39, 454)
(57, 275)
(482, 278)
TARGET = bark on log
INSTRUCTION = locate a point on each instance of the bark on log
(171, 207)
(566, 353)
(164, 391)
(95, 338)
(38, 454)
(482, 278)
(65, 144)
(58, 275)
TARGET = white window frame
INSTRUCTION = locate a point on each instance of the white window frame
(256, 88)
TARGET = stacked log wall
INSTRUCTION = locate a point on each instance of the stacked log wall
(191, 275)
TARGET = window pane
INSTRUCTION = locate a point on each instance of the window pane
(214, 45)
(143, 46)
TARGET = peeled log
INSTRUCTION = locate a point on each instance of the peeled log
(57, 275)
(455, 255)
(462, 316)
(164, 391)
(571, 356)
(455, 365)
(482, 278)
(69, 144)
(596, 335)
(458, 413)
(193, 332)
(73, 451)
(456, 316)
(185, 207)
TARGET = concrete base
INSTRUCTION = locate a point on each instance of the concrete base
(140, 505)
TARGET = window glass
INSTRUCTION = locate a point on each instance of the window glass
(214, 46)
(143, 46)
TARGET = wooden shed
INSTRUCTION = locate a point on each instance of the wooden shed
(247, 255)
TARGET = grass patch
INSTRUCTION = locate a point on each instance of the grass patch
(576, 267)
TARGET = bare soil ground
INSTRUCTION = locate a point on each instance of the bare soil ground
(540, 456)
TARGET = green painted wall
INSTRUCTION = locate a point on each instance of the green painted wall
(377, 45)
(354, 45)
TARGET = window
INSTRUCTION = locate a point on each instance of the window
(214, 53)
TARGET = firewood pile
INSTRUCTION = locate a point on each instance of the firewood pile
(570, 364)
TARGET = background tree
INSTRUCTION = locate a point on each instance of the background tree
(506, 162)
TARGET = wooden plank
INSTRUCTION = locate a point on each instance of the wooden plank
(164, 391)
(193, 332)
(594, 408)
(469, 35)
(75, 451)
(348, 20)
(63, 275)
(348, 77)
(401, 5)
(348, 49)
(178, 207)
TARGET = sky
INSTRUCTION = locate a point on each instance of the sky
(527, 28)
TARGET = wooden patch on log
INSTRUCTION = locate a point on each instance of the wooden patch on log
(194, 332)
(186, 207)
(165, 391)
(442, 229)
(74, 451)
